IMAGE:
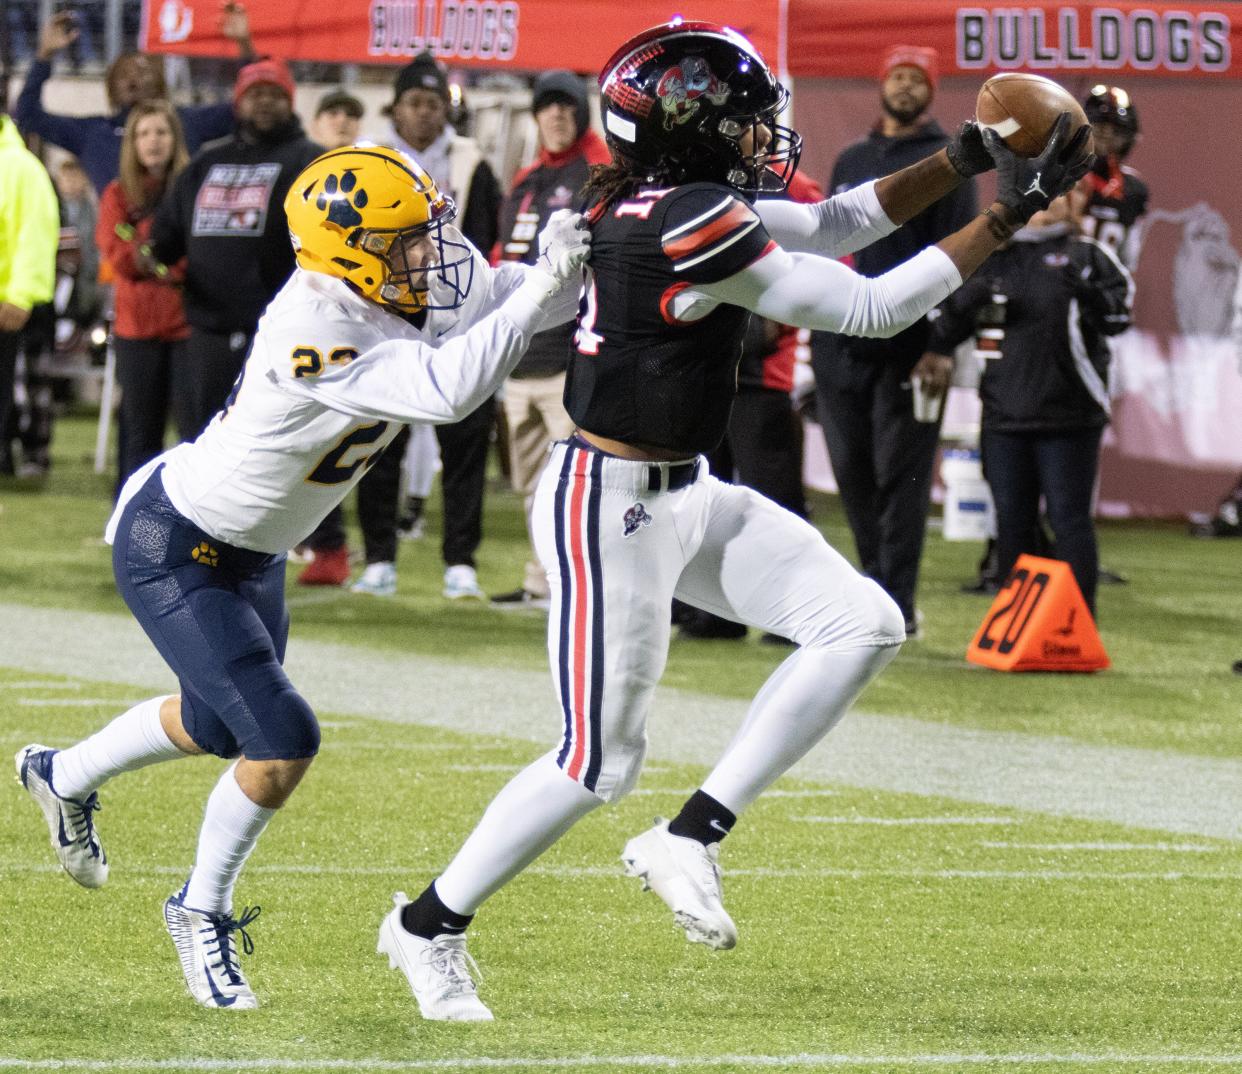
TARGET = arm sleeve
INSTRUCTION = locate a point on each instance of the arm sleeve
(68, 132)
(409, 381)
(818, 293)
(560, 305)
(36, 238)
(1104, 289)
(842, 224)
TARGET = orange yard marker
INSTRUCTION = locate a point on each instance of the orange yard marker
(1039, 622)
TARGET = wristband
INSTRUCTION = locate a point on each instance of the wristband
(124, 232)
(1000, 228)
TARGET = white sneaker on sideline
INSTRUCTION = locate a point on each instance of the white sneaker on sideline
(379, 579)
(438, 970)
(461, 582)
(685, 874)
(208, 953)
(69, 820)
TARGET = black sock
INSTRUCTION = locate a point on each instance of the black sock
(428, 917)
(702, 819)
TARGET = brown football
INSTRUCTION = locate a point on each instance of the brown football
(1023, 108)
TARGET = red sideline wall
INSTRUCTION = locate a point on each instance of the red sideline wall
(1176, 442)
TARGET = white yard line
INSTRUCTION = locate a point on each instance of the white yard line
(1141, 788)
(902, 822)
(117, 703)
(984, 1061)
(610, 872)
(1167, 848)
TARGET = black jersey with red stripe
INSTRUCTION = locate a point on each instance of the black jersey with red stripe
(645, 370)
(1117, 199)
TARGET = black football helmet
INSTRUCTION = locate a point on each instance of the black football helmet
(680, 97)
(1114, 106)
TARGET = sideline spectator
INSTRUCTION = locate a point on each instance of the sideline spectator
(420, 127)
(79, 211)
(29, 235)
(533, 396)
(225, 215)
(882, 457)
(1045, 389)
(130, 78)
(338, 119)
(149, 328)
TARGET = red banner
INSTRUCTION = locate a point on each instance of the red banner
(837, 39)
(522, 35)
(846, 38)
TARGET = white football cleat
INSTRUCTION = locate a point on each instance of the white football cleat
(438, 970)
(208, 953)
(69, 820)
(685, 874)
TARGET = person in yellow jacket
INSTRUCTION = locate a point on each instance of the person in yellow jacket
(29, 231)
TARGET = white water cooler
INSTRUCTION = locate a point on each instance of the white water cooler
(969, 514)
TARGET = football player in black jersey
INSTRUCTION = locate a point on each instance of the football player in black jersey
(626, 515)
(1118, 195)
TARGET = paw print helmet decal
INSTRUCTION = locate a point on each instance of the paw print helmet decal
(371, 216)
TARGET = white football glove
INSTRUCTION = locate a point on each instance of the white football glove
(564, 246)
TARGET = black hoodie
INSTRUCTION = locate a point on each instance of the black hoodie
(875, 156)
(225, 214)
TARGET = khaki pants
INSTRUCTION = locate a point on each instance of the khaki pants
(535, 412)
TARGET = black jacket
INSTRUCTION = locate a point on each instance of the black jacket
(875, 156)
(225, 214)
(1063, 294)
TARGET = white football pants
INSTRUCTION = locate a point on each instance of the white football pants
(616, 554)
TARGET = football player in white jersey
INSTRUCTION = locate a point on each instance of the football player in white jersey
(391, 317)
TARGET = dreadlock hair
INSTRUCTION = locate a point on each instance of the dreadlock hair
(618, 178)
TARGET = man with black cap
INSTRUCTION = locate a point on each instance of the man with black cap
(533, 398)
(338, 119)
(420, 127)
(881, 455)
(225, 215)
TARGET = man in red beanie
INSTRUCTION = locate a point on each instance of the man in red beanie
(882, 455)
(225, 216)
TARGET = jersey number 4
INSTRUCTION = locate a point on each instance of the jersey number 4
(332, 469)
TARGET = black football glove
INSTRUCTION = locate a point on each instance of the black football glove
(967, 153)
(1025, 185)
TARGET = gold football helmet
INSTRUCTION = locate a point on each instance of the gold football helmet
(371, 216)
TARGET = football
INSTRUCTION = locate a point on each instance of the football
(1023, 108)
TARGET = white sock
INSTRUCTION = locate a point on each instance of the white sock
(533, 810)
(133, 740)
(801, 702)
(232, 824)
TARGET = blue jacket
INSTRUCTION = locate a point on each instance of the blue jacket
(96, 140)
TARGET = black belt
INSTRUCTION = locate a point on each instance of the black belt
(679, 475)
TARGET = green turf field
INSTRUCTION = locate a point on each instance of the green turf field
(974, 925)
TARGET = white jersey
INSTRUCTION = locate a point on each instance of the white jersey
(329, 382)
